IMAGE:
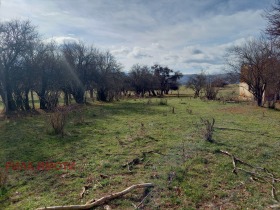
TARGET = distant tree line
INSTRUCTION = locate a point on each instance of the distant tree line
(208, 84)
(29, 65)
(157, 80)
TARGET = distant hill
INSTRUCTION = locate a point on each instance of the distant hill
(186, 78)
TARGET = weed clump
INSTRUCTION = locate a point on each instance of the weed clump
(57, 121)
(149, 102)
(209, 129)
(3, 178)
(163, 101)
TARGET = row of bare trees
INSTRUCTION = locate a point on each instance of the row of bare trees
(31, 67)
(257, 61)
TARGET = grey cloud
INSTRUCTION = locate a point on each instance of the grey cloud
(120, 51)
(196, 51)
(171, 57)
(160, 28)
(62, 39)
(139, 53)
(199, 61)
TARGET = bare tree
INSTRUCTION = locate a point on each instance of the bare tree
(166, 77)
(109, 77)
(16, 38)
(197, 83)
(49, 75)
(76, 59)
(142, 79)
(273, 17)
(253, 62)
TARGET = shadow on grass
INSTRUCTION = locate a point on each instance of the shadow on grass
(27, 139)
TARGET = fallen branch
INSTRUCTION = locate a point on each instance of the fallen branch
(275, 206)
(138, 160)
(100, 201)
(268, 177)
(83, 192)
(130, 164)
(85, 188)
(141, 203)
(235, 159)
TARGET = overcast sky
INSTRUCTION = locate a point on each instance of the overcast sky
(186, 35)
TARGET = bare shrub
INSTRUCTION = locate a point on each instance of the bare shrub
(209, 129)
(211, 92)
(58, 121)
(197, 83)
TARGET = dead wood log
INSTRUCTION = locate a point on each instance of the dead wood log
(275, 206)
(100, 201)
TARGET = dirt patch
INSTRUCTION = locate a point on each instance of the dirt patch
(234, 110)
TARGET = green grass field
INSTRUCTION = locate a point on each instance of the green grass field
(188, 172)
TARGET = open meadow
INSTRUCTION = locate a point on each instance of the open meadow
(156, 140)
(147, 105)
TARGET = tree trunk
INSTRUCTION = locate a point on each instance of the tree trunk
(6, 102)
(91, 93)
(32, 100)
(26, 100)
(66, 99)
(259, 101)
(79, 97)
(10, 100)
(42, 99)
(196, 94)
(101, 95)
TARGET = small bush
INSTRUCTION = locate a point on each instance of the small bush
(209, 129)
(211, 92)
(163, 101)
(58, 122)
